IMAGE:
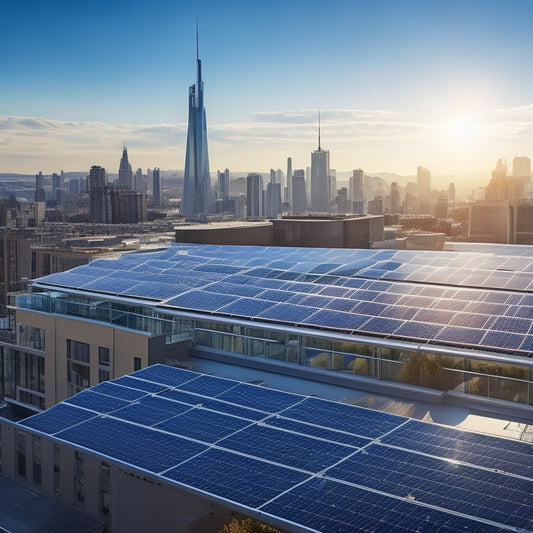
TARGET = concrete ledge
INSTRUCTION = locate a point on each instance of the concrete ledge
(352, 381)
(492, 406)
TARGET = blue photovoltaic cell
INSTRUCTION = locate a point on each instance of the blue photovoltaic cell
(201, 301)
(204, 425)
(336, 319)
(275, 295)
(286, 448)
(418, 330)
(288, 313)
(316, 431)
(208, 385)
(437, 316)
(248, 307)
(165, 375)
(341, 304)
(468, 320)
(512, 325)
(151, 411)
(369, 308)
(115, 286)
(100, 403)
(234, 477)
(183, 397)
(383, 325)
(329, 506)
(57, 418)
(118, 391)
(151, 450)
(139, 384)
(343, 417)
(460, 335)
(503, 340)
(267, 400)
(473, 448)
(234, 410)
(471, 491)
(401, 313)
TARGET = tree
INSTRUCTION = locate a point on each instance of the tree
(248, 525)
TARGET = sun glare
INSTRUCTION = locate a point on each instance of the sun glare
(462, 130)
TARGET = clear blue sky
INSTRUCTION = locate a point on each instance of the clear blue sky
(446, 84)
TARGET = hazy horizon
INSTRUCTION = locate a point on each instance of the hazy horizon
(398, 84)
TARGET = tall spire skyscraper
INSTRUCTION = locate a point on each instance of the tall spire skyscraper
(197, 197)
(125, 174)
(320, 178)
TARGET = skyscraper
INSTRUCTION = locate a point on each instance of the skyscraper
(299, 198)
(197, 185)
(320, 179)
(125, 174)
(521, 167)
(254, 195)
(39, 188)
(423, 184)
(99, 196)
(156, 186)
(223, 184)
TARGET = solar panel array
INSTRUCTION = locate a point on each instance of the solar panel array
(322, 465)
(464, 299)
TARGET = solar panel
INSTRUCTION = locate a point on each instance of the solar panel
(246, 480)
(319, 464)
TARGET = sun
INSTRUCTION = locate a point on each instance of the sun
(462, 130)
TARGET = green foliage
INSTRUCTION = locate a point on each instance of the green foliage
(359, 366)
(248, 525)
(426, 371)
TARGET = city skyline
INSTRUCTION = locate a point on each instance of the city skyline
(443, 86)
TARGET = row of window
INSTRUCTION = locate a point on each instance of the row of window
(79, 471)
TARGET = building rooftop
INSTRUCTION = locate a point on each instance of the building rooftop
(477, 300)
(308, 463)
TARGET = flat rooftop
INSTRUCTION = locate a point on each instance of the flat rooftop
(476, 300)
(310, 463)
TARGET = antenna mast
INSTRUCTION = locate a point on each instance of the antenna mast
(319, 130)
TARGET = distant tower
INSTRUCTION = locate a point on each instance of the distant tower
(273, 200)
(320, 178)
(156, 186)
(299, 197)
(288, 194)
(197, 185)
(254, 195)
(521, 167)
(223, 184)
(394, 198)
(423, 185)
(125, 175)
(39, 188)
(356, 197)
(99, 196)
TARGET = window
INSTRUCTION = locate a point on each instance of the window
(79, 478)
(36, 445)
(136, 363)
(30, 337)
(21, 454)
(57, 470)
(103, 364)
(105, 488)
(78, 369)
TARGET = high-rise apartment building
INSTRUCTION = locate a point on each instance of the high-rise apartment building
(299, 197)
(254, 195)
(423, 185)
(125, 174)
(273, 200)
(197, 184)
(156, 186)
(99, 196)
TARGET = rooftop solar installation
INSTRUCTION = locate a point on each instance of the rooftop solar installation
(411, 295)
(323, 466)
